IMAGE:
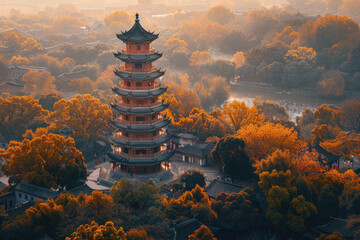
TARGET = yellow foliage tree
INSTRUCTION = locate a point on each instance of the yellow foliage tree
(239, 115)
(17, 114)
(301, 56)
(84, 114)
(238, 59)
(31, 46)
(47, 160)
(262, 140)
(38, 83)
(82, 85)
(96, 231)
(199, 58)
(19, 60)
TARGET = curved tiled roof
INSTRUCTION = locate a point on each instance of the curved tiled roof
(137, 33)
(141, 127)
(138, 57)
(139, 93)
(140, 110)
(134, 76)
(146, 144)
(141, 161)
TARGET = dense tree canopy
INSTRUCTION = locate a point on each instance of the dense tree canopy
(83, 114)
(48, 160)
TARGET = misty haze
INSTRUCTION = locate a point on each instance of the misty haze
(179, 119)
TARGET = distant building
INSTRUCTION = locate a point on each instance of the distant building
(334, 225)
(24, 193)
(325, 157)
(15, 73)
(199, 153)
(14, 88)
(216, 187)
(181, 231)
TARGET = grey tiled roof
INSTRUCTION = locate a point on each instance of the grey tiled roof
(41, 192)
(140, 110)
(139, 93)
(140, 127)
(138, 57)
(140, 161)
(148, 144)
(216, 187)
(202, 150)
(137, 34)
(135, 76)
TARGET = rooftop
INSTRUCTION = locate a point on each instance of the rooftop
(137, 33)
(202, 150)
(41, 192)
(216, 187)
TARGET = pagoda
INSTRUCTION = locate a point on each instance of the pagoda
(140, 143)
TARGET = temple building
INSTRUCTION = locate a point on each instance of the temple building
(140, 143)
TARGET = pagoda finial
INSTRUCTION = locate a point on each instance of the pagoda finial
(137, 17)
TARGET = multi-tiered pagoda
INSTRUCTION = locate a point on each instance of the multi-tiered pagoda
(141, 142)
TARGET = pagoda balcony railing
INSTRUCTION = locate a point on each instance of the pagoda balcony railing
(139, 139)
(140, 122)
(151, 155)
(132, 70)
(150, 51)
(134, 105)
(155, 85)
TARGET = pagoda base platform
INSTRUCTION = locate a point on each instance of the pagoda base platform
(108, 175)
(161, 176)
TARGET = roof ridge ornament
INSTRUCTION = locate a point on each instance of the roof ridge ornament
(136, 17)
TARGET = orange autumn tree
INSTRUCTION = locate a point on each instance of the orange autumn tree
(48, 160)
(38, 83)
(203, 124)
(203, 233)
(81, 85)
(192, 203)
(17, 114)
(44, 217)
(345, 144)
(262, 140)
(239, 115)
(200, 58)
(19, 60)
(31, 46)
(304, 164)
(96, 231)
(84, 114)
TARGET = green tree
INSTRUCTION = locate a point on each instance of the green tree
(230, 152)
(287, 210)
(191, 178)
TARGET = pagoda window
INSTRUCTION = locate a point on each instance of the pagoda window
(152, 100)
(140, 119)
(127, 100)
(126, 134)
(138, 66)
(140, 151)
(163, 147)
(126, 150)
(139, 84)
(138, 47)
(128, 83)
(153, 116)
(127, 117)
(140, 102)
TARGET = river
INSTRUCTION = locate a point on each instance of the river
(294, 104)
